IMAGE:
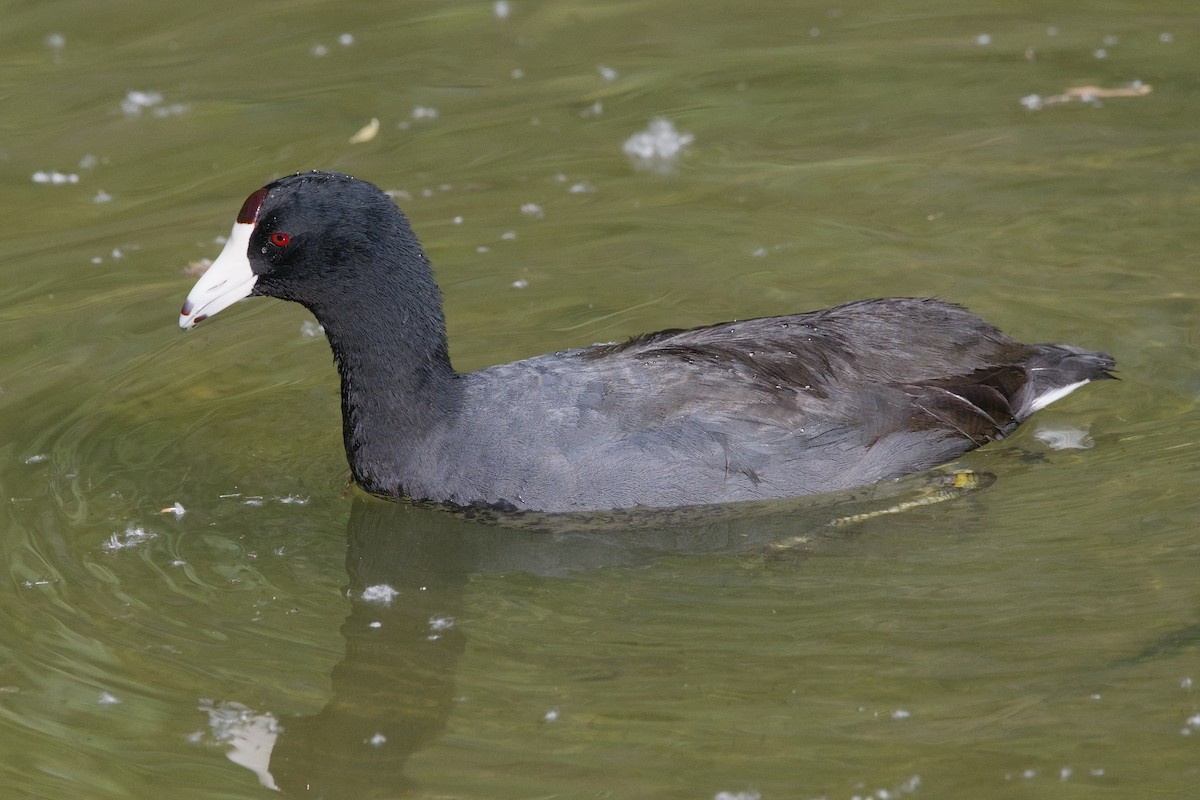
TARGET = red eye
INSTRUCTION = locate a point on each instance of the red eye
(280, 239)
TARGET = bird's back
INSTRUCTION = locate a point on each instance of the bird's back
(748, 410)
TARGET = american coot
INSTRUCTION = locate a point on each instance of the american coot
(747, 410)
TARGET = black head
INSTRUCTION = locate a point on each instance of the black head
(312, 237)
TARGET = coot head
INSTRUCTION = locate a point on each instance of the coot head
(308, 237)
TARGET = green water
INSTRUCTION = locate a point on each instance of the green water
(1039, 638)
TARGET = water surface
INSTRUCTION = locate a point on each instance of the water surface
(1039, 637)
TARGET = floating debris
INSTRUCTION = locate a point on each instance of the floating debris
(55, 178)
(533, 210)
(311, 330)
(607, 74)
(196, 268)
(1086, 94)
(380, 593)
(366, 133)
(658, 146)
(249, 735)
(177, 509)
(136, 102)
(437, 625)
(346, 39)
(132, 537)
(501, 9)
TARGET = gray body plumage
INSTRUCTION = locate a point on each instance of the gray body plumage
(750, 410)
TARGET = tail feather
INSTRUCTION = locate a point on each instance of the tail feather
(989, 403)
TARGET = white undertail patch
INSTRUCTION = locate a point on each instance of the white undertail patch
(1046, 398)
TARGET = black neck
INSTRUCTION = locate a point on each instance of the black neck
(398, 386)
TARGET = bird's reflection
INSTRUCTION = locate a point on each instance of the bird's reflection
(408, 567)
(393, 691)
